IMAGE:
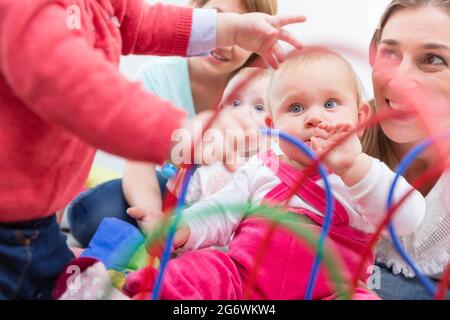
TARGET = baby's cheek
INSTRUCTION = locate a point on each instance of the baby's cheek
(289, 150)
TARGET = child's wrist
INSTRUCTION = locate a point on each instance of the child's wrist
(226, 29)
(353, 174)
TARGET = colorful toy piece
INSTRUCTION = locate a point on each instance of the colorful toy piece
(119, 245)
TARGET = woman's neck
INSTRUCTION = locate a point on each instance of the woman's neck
(207, 90)
(423, 163)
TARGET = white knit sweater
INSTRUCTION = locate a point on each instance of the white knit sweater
(429, 246)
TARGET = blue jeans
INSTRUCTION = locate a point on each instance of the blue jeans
(107, 200)
(32, 255)
(397, 287)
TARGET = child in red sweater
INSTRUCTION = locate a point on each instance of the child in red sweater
(62, 96)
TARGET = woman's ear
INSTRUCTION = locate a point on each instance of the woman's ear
(364, 114)
(269, 122)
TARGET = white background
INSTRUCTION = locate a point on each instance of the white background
(343, 25)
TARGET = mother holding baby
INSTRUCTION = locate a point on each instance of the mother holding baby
(411, 49)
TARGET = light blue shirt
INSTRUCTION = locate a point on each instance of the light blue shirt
(168, 78)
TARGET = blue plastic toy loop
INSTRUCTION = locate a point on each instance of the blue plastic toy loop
(171, 234)
(328, 218)
(402, 167)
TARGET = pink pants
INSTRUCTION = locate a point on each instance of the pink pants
(214, 275)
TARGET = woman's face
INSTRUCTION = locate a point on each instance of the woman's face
(411, 72)
(223, 61)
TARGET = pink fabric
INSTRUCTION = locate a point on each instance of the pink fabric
(285, 269)
(62, 96)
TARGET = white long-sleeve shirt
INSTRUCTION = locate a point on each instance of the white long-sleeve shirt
(364, 203)
(429, 245)
(206, 181)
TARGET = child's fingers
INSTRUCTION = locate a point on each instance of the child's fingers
(270, 60)
(327, 126)
(335, 128)
(317, 145)
(314, 144)
(288, 37)
(181, 236)
(278, 53)
(288, 19)
(321, 133)
(347, 127)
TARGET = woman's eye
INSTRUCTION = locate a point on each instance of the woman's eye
(435, 60)
(330, 104)
(236, 104)
(259, 108)
(296, 108)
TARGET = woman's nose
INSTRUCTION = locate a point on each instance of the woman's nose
(404, 77)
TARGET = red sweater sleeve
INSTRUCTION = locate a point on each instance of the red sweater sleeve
(153, 29)
(58, 74)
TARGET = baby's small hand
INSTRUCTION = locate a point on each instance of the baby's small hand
(181, 236)
(147, 218)
(342, 156)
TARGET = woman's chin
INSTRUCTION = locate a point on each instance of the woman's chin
(402, 135)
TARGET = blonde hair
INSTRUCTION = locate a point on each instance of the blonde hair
(397, 5)
(309, 53)
(376, 144)
(269, 7)
(374, 141)
(248, 74)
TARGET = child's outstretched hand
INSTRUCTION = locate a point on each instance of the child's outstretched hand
(346, 159)
(257, 32)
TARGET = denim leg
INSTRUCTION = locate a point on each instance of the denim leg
(15, 262)
(32, 258)
(88, 210)
(107, 200)
(398, 287)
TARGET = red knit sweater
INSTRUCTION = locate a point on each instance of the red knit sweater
(61, 94)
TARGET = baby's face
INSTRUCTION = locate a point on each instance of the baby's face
(247, 97)
(246, 94)
(317, 91)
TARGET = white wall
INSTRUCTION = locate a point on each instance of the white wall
(343, 25)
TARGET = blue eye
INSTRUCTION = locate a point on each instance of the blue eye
(330, 104)
(296, 108)
(259, 108)
(435, 60)
(236, 104)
